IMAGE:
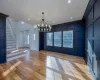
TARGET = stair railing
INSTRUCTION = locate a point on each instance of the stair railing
(13, 32)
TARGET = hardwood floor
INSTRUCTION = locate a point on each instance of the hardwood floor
(45, 65)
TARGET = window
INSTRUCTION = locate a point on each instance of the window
(49, 39)
(68, 39)
(57, 39)
(34, 36)
(27, 39)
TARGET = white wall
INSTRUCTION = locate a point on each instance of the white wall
(18, 27)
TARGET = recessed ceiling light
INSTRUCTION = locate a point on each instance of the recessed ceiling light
(28, 18)
(22, 22)
(69, 1)
(71, 17)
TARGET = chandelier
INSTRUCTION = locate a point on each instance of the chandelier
(43, 26)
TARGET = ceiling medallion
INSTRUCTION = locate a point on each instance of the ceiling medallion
(43, 26)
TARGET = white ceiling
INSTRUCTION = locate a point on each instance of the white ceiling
(58, 11)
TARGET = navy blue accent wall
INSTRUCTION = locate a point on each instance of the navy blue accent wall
(2, 38)
(78, 38)
(92, 38)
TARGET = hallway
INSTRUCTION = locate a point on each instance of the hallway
(45, 65)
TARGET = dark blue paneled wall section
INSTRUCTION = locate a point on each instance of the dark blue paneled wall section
(78, 38)
(92, 37)
(2, 38)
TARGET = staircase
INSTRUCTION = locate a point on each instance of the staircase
(11, 42)
(10, 36)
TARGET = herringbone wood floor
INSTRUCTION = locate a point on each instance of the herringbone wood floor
(45, 65)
